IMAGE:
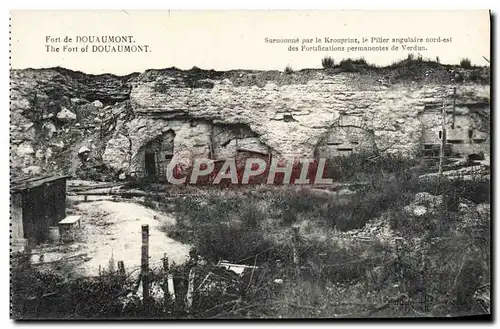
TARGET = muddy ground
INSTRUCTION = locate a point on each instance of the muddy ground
(110, 232)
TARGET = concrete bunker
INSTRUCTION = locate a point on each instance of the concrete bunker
(153, 157)
(464, 133)
(190, 139)
(343, 141)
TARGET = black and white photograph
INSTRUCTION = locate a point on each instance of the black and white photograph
(265, 164)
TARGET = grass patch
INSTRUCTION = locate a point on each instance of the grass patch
(465, 63)
(355, 65)
(442, 256)
(327, 62)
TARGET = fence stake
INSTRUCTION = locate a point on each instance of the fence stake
(121, 268)
(193, 260)
(295, 242)
(189, 295)
(170, 286)
(145, 262)
(165, 264)
(165, 274)
(454, 103)
(443, 142)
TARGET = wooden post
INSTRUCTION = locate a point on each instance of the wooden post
(295, 241)
(443, 142)
(121, 268)
(145, 262)
(170, 286)
(423, 268)
(190, 291)
(165, 274)
(165, 263)
(454, 103)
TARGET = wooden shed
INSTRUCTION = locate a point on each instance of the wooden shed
(36, 204)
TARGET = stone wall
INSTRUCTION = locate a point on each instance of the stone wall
(212, 114)
(294, 119)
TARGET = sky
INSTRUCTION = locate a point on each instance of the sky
(224, 40)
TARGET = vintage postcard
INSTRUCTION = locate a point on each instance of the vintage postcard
(250, 164)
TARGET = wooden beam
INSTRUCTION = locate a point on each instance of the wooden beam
(443, 141)
(145, 263)
(190, 291)
(295, 242)
(454, 103)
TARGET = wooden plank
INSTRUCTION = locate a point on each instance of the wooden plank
(30, 183)
(70, 219)
(443, 141)
(16, 217)
(241, 149)
(61, 200)
(145, 263)
(454, 104)
(190, 291)
(171, 286)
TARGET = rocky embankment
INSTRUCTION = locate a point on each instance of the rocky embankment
(96, 125)
(56, 112)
